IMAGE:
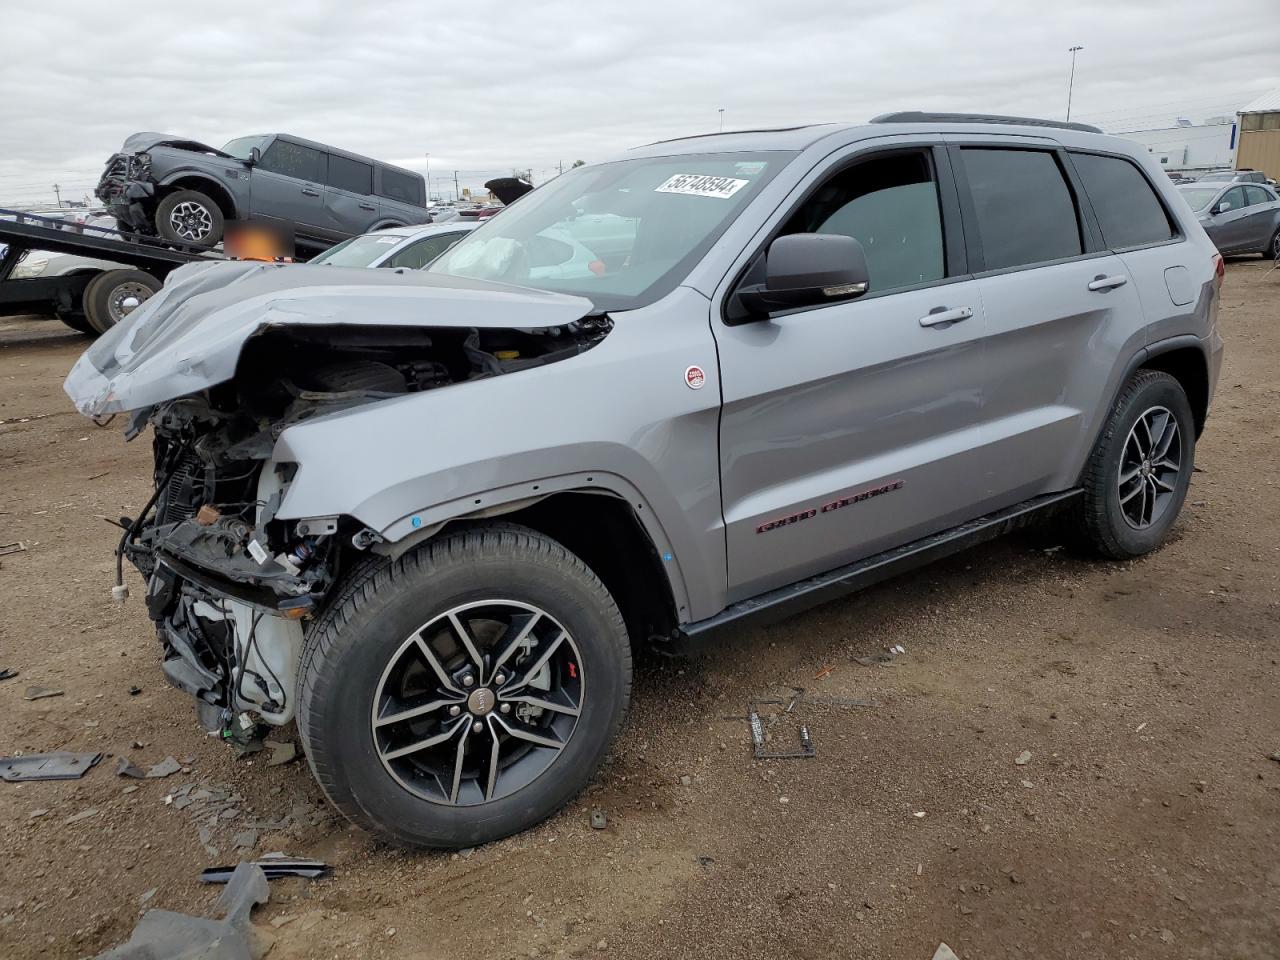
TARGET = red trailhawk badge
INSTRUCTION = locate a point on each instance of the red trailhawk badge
(695, 378)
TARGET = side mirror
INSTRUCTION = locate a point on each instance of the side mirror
(1221, 207)
(804, 269)
(255, 157)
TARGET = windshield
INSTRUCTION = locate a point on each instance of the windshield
(360, 251)
(242, 147)
(622, 234)
(1219, 177)
(1199, 197)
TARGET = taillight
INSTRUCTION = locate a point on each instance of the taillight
(1219, 269)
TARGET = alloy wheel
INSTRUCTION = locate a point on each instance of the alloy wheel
(1149, 467)
(191, 221)
(478, 702)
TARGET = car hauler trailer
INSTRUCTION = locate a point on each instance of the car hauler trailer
(91, 301)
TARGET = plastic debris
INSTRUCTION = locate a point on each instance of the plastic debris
(598, 819)
(165, 768)
(35, 692)
(1023, 758)
(7, 674)
(127, 768)
(944, 953)
(273, 867)
(281, 752)
(47, 766)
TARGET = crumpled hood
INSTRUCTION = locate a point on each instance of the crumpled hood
(188, 337)
(138, 142)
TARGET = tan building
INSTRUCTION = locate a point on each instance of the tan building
(1260, 135)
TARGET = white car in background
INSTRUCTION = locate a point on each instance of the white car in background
(412, 247)
(557, 254)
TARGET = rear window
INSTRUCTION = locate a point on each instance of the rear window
(1128, 210)
(1026, 213)
(401, 186)
(348, 174)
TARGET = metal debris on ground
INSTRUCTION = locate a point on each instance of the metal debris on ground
(759, 737)
(274, 866)
(34, 692)
(281, 752)
(162, 933)
(47, 766)
(598, 819)
(7, 674)
(8, 548)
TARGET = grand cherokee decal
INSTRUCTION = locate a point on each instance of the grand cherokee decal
(837, 504)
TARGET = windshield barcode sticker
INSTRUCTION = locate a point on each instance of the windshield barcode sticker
(697, 185)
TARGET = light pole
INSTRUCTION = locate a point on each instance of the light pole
(722, 119)
(428, 156)
(1072, 82)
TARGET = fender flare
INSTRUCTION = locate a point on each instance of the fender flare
(413, 528)
(192, 174)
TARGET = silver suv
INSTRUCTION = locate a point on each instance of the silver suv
(429, 513)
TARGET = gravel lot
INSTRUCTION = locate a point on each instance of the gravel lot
(1143, 824)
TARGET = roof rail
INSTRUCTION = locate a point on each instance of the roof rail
(729, 133)
(918, 116)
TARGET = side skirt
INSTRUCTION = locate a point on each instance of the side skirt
(796, 597)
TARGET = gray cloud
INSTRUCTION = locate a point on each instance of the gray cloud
(488, 86)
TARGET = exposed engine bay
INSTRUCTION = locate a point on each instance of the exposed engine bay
(229, 585)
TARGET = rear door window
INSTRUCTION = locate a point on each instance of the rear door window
(1025, 211)
(1256, 195)
(1128, 210)
(293, 160)
(351, 175)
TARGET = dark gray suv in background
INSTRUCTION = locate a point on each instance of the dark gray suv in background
(427, 514)
(186, 191)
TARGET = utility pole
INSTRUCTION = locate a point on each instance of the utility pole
(57, 194)
(1072, 81)
(457, 194)
(722, 119)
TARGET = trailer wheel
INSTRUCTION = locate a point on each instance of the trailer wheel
(108, 295)
(190, 217)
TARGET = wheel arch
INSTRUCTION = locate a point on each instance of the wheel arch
(206, 185)
(612, 531)
(1183, 358)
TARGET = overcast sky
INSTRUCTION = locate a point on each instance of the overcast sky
(486, 86)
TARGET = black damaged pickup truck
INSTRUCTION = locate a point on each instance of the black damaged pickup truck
(185, 191)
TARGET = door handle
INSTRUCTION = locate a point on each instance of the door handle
(310, 192)
(1102, 284)
(367, 206)
(943, 315)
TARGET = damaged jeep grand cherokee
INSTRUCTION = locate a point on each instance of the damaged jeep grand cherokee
(428, 514)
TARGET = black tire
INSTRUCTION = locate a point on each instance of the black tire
(103, 297)
(76, 320)
(354, 649)
(189, 217)
(1272, 250)
(1104, 520)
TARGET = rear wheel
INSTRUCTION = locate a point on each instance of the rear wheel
(113, 294)
(189, 217)
(1137, 476)
(1272, 251)
(466, 691)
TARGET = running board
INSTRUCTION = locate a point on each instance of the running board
(797, 597)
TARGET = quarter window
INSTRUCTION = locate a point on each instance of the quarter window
(293, 160)
(1025, 211)
(1127, 208)
(404, 187)
(348, 174)
(889, 204)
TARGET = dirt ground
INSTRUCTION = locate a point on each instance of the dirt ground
(1144, 823)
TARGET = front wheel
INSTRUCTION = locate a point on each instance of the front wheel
(189, 217)
(1138, 473)
(467, 690)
